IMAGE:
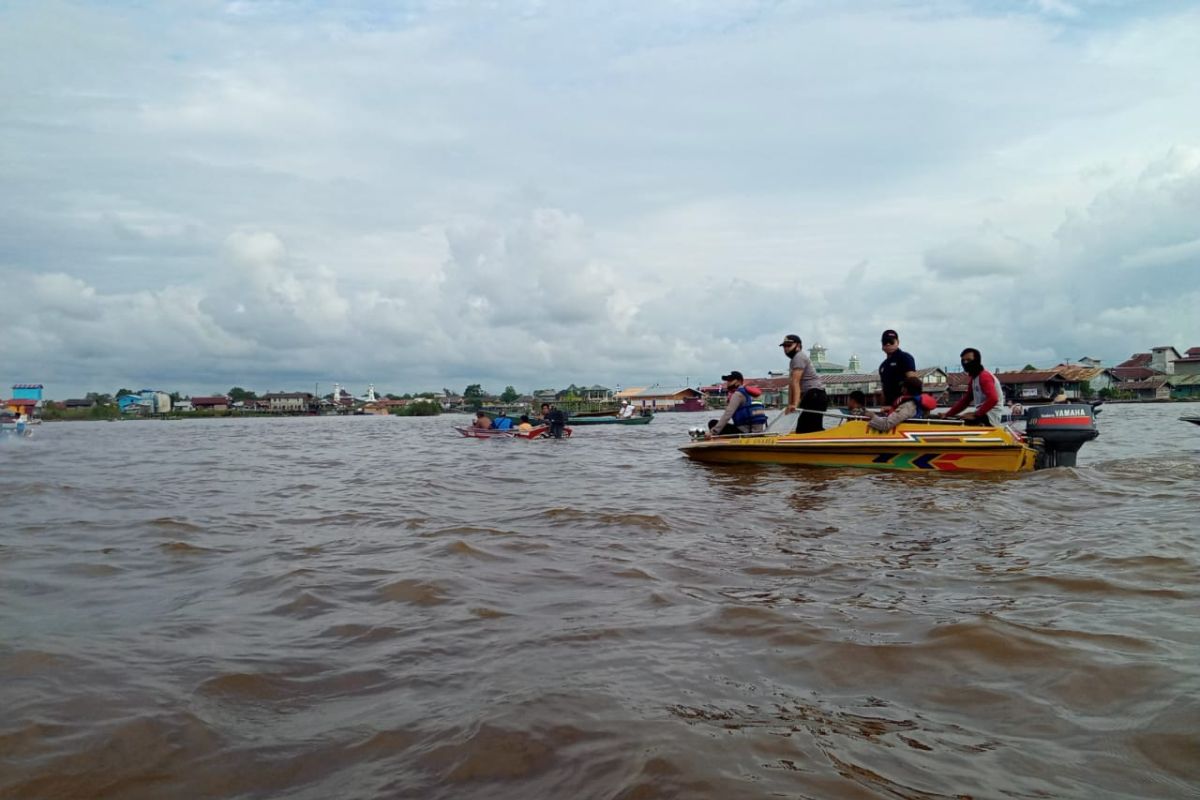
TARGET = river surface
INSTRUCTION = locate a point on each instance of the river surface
(376, 608)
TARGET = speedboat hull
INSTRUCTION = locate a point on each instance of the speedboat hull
(911, 447)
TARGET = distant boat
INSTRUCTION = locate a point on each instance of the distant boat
(507, 433)
(14, 428)
(1194, 419)
(611, 420)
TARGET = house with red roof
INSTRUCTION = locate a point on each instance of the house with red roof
(1188, 363)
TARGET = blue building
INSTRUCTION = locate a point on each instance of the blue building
(27, 391)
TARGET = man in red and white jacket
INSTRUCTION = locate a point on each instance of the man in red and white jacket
(984, 391)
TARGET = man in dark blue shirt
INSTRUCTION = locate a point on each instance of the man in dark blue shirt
(897, 366)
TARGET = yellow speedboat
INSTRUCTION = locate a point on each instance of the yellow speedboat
(1053, 436)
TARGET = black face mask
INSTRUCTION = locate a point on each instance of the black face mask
(972, 367)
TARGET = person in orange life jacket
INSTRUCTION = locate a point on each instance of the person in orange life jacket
(482, 420)
(525, 424)
(806, 390)
(984, 390)
(897, 366)
(913, 404)
(744, 412)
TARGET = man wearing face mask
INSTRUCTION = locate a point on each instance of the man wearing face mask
(985, 392)
(806, 390)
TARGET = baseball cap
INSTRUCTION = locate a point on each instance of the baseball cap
(890, 334)
(732, 374)
(791, 338)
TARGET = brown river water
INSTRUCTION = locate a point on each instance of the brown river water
(375, 607)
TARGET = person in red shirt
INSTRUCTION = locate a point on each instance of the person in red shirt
(984, 390)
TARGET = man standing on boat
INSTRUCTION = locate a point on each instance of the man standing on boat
(806, 390)
(744, 411)
(897, 365)
(556, 418)
(984, 390)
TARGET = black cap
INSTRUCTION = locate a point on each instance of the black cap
(732, 374)
(791, 338)
(890, 334)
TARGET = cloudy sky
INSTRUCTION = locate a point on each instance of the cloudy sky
(197, 195)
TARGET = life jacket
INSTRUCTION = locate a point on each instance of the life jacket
(751, 411)
(924, 403)
(502, 423)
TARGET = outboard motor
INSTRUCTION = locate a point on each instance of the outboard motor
(1058, 431)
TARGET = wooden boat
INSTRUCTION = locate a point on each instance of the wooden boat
(537, 432)
(1053, 437)
(635, 420)
(8, 428)
(1195, 420)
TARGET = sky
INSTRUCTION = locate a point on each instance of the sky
(199, 194)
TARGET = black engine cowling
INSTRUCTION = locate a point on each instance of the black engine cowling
(1058, 431)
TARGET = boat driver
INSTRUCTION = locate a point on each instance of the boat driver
(984, 390)
(744, 411)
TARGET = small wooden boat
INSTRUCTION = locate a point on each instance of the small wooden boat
(1053, 436)
(536, 432)
(1194, 419)
(15, 429)
(635, 420)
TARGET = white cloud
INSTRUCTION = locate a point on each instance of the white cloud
(630, 194)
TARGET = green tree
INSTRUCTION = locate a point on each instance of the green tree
(123, 392)
(473, 396)
(237, 395)
(509, 395)
(1029, 368)
(419, 408)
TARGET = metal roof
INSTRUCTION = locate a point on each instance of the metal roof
(1028, 376)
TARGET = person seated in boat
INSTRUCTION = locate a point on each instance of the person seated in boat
(502, 422)
(984, 390)
(744, 410)
(912, 404)
(856, 404)
(524, 426)
(482, 421)
(627, 410)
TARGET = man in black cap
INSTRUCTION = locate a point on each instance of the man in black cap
(806, 390)
(744, 411)
(896, 366)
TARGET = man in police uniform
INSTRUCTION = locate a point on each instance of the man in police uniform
(897, 366)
